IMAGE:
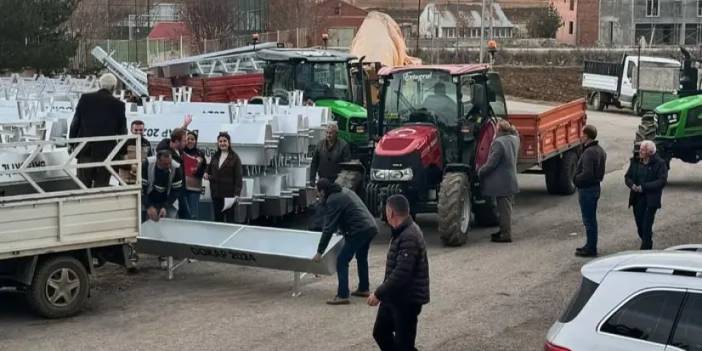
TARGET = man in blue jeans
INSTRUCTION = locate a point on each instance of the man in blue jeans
(345, 212)
(588, 176)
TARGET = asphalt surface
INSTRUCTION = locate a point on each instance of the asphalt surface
(485, 296)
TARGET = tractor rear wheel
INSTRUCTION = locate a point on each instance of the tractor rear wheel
(560, 172)
(454, 209)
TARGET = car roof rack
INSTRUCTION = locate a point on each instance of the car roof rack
(671, 262)
(686, 248)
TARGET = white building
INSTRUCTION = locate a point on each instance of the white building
(463, 21)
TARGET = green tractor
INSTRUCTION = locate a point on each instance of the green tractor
(676, 128)
(324, 76)
(330, 79)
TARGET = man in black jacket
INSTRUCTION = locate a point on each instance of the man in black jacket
(646, 177)
(329, 153)
(345, 211)
(406, 286)
(98, 114)
(589, 173)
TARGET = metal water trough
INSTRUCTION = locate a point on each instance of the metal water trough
(273, 248)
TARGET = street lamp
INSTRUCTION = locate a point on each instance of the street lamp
(254, 40)
(325, 39)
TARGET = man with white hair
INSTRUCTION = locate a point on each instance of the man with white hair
(98, 114)
(646, 177)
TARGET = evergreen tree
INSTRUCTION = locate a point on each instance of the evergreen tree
(545, 24)
(34, 35)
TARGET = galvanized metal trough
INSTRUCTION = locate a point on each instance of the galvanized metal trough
(273, 248)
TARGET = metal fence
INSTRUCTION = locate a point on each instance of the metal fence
(147, 52)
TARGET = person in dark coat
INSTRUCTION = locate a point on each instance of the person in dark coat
(498, 177)
(646, 177)
(194, 167)
(345, 212)
(225, 175)
(128, 173)
(405, 288)
(175, 145)
(98, 114)
(329, 154)
(589, 173)
(161, 184)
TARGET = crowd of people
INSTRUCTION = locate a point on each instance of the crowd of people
(172, 183)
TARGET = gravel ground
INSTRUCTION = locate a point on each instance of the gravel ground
(485, 296)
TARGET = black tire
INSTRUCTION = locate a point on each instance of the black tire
(597, 102)
(559, 172)
(352, 180)
(636, 106)
(647, 128)
(72, 279)
(454, 217)
(486, 214)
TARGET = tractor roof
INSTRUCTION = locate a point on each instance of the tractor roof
(454, 70)
(312, 55)
(679, 105)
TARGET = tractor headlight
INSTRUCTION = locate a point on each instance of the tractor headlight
(392, 175)
(673, 118)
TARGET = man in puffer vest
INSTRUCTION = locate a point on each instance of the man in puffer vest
(162, 182)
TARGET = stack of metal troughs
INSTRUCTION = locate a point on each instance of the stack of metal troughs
(274, 143)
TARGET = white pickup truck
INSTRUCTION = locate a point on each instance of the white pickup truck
(53, 229)
(616, 83)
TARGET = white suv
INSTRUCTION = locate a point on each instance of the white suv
(635, 301)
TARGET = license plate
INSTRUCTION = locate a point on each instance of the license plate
(360, 130)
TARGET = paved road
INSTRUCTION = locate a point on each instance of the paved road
(485, 296)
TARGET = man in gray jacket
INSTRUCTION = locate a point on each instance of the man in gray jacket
(498, 177)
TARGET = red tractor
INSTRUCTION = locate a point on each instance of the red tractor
(438, 123)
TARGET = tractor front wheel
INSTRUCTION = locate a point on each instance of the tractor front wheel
(454, 209)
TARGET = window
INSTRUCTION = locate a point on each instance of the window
(572, 5)
(699, 8)
(652, 8)
(694, 117)
(630, 70)
(648, 316)
(570, 27)
(582, 296)
(688, 333)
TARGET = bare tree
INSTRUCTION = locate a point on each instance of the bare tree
(210, 19)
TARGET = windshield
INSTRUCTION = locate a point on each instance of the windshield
(323, 80)
(421, 93)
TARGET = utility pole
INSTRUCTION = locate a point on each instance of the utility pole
(136, 41)
(419, 14)
(482, 32)
(492, 31)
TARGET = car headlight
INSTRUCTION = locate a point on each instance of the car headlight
(673, 118)
(392, 175)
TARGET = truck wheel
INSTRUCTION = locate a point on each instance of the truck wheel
(636, 106)
(597, 102)
(454, 209)
(486, 214)
(59, 288)
(559, 173)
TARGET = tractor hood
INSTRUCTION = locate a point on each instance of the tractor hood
(408, 139)
(343, 108)
(679, 105)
